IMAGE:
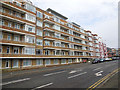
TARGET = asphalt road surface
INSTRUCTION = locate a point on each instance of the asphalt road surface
(83, 75)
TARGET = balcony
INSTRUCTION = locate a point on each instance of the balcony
(15, 18)
(14, 30)
(16, 43)
(21, 9)
(49, 21)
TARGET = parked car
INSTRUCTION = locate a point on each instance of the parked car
(97, 60)
(108, 59)
(102, 59)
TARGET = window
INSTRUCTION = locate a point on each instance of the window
(30, 17)
(47, 25)
(3, 23)
(71, 46)
(29, 51)
(63, 61)
(0, 49)
(71, 53)
(47, 52)
(47, 34)
(29, 39)
(15, 25)
(56, 61)
(57, 44)
(9, 37)
(47, 43)
(62, 45)
(30, 8)
(56, 27)
(7, 64)
(39, 14)
(70, 32)
(39, 23)
(46, 16)
(57, 35)
(16, 38)
(9, 24)
(26, 62)
(8, 49)
(39, 32)
(39, 51)
(70, 38)
(56, 19)
(69, 60)
(47, 62)
(1, 35)
(15, 63)
(39, 42)
(57, 52)
(30, 28)
(63, 53)
(16, 50)
(39, 62)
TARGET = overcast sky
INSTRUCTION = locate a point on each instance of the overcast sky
(98, 16)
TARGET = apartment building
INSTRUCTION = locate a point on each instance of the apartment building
(32, 37)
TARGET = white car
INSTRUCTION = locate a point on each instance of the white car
(107, 59)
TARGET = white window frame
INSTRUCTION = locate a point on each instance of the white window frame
(9, 37)
(55, 61)
(16, 62)
(69, 60)
(16, 39)
(39, 32)
(47, 52)
(47, 43)
(47, 63)
(63, 60)
(14, 49)
(30, 63)
(39, 62)
(40, 41)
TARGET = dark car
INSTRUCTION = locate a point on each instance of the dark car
(97, 60)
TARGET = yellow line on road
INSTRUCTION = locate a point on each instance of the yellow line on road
(102, 79)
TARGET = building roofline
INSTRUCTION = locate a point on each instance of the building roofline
(49, 9)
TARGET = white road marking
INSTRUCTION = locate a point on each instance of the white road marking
(99, 73)
(54, 73)
(77, 75)
(97, 68)
(15, 81)
(74, 71)
(42, 86)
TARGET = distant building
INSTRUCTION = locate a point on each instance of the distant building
(112, 52)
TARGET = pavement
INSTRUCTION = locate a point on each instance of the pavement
(83, 75)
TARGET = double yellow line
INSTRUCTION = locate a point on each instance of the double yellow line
(103, 79)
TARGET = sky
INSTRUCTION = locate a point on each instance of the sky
(98, 16)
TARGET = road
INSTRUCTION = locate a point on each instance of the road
(83, 75)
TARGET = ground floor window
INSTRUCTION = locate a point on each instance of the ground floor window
(47, 62)
(15, 63)
(63, 61)
(0, 64)
(56, 61)
(69, 60)
(39, 62)
(7, 64)
(26, 62)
